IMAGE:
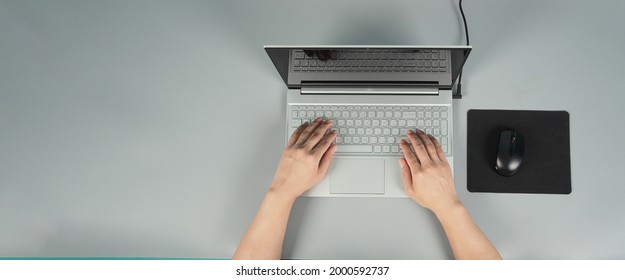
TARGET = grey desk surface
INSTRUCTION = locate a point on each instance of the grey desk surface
(152, 128)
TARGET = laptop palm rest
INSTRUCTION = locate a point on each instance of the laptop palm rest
(357, 176)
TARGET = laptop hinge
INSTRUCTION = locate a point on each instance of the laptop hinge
(368, 90)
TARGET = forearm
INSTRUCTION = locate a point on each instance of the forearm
(263, 240)
(466, 239)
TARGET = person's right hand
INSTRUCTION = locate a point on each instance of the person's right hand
(426, 173)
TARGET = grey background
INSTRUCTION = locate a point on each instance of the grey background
(153, 128)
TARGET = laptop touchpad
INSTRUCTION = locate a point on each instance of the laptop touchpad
(354, 176)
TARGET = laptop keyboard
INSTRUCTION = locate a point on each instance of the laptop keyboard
(372, 60)
(376, 130)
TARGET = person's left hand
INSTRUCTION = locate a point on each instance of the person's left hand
(305, 159)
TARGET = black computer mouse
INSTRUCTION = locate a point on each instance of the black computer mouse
(510, 152)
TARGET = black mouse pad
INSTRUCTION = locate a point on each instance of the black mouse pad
(546, 166)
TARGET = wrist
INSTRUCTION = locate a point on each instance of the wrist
(280, 193)
(448, 209)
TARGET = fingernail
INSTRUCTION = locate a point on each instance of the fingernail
(410, 131)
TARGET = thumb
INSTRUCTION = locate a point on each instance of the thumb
(324, 163)
(406, 175)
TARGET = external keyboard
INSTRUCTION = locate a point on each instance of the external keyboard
(373, 60)
(376, 130)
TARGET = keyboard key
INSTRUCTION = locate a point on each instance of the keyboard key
(386, 149)
(298, 55)
(409, 115)
(354, 148)
(377, 149)
(296, 123)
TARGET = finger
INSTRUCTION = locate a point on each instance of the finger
(439, 149)
(297, 133)
(409, 155)
(429, 146)
(306, 133)
(406, 175)
(324, 163)
(320, 55)
(324, 143)
(419, 148)
(330, 54)
(317, 134)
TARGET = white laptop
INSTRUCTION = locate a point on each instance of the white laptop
(373, 94)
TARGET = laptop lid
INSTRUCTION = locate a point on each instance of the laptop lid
(436, 66)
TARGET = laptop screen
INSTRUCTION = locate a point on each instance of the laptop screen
(425, 65)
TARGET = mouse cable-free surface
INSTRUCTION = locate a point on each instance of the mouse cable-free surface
(458, 93)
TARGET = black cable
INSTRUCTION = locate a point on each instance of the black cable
(466, 34)
(464, 19)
